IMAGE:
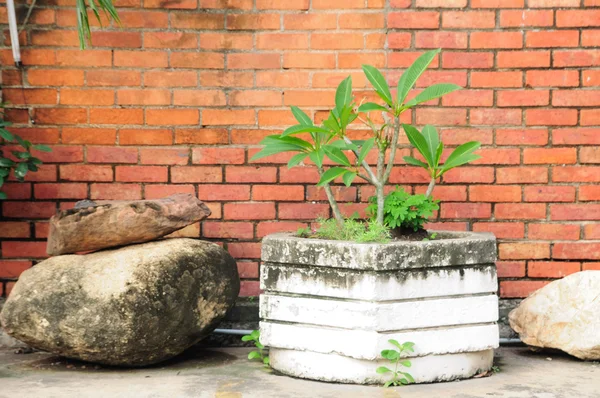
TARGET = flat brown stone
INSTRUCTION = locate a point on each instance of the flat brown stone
(99, 225)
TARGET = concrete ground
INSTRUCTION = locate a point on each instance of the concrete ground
(226, 373)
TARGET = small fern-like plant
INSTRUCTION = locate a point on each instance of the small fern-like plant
(395, 357)
(405, 211)
(260, 352)
(352, 230)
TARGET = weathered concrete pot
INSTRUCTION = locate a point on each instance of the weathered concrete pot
(330, 307)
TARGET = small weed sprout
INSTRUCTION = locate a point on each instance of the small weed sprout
(395, 357)
(260, 353)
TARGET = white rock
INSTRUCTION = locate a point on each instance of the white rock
(564, 314)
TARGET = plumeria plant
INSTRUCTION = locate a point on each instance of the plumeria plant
(331, 140)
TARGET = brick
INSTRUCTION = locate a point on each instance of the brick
(591, 231)
(182, 4)
(249, 211)
(519, 289)
(470, 98)
(28, 210)
(574, 58)
(30, 96)
(303, 211)
(170, 40)
(523, 98)
(551, 117)
(13, 268)
(523, 211)
(493, 193)
(467, 60)
(196, 60)
(402, 40)
(158, 191)
(340, 193)
(170, 79)
(282, 5)
(575, 212)
(363, 21)
(145, 137)
(203, 136)
(226, 41)
(227, 4)
(308, 98)
(105, 136)
(549, 194)
(200, 174)
(45, 173)
(589, 193)
(590, 77)
(120, 39)
(83, 172)
(510, 269)
(523, 251)
(414, 20)
(248, 21)
(167, 156)
(441, 3)
(197, 20)
(270, 227)
(86, 97)
(446, 193)
(116, 116)
(502, 230)
(590, 266)
(199, 98)
(115, 191)
(91, 58)
(470, 175)
(253, 61)
(146, 19)
(590, 117)
(492, 117)
(443, 117)
(526, 18)
(18, 249)
(282, 79)
(143, 97)
(553, 3)
(218, 155)
(465, 210)
(577, 18)
(576, 251)
(255, 98)
(523, 59)
(54, 77)
(227, 230)
(553, 231)
(496, 79)
(522, 137)
(60, 191)
(589, 155)
(552, 78)
(145, 59)
(271, 41)
(275, 118)
(170, 117)
(276, 193)
(141, 174)
(113, 78)
(550, 155)
(334, 41)
(226, 117)
(299, 174)
(437, 39)
(406, 58)
(482, 40)
(13, 229)
(309, 22)
(590, 38)
(552, 38)
(458, 136)
(497, 3)
(17, 190)
(552, 269)
(309, 60)
(576, 174)
(468, 19)
(577, 98)
(226, 192)
(250, 174)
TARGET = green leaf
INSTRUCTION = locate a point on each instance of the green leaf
(336, 155)
(275, 148)
(366, 148)
(4, 162)
(255, 334)
(348, 178)
(317, 157)
(418, 141)
(433, 141)
(6, 135)
(266, 361)
(410, 76)
(21, 170)
(392, 355)
(301, 117)
(343, 94)
(301, 128)
(382, 370)
(461, 155)
(379, 83)
(331, 175)
(415, 162)
(4, 172)
(43, 148)
(296, 159)
(406, 364)
(408, 345)
(408, 376)
(247, 338)
(343, 145)
(3, 196)
(21, 155)
(395, 343)
(387, 384)
(371, 106)
(438, 154)
(253, 355)
(432, 92)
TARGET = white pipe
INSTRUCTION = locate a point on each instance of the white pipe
(14, 33)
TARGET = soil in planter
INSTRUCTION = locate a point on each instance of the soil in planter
(410, 234)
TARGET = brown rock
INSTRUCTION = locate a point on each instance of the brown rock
(94, 226)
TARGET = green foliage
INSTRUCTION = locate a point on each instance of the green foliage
(428, 143)
(22, 160)
(352, 230)
(431, 237)
(303, 232)
(403, 210)
(395, 356)
(83, 23)
(260, 353)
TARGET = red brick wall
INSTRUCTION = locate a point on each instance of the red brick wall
(177, 100)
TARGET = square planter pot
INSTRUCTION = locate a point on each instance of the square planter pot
(330, 307)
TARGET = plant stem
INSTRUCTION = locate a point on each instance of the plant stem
(393, 146)
(334, 206)
(430, 187)
(379, 187)
(373, 179)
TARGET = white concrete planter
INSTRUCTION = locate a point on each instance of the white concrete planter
(330, 307)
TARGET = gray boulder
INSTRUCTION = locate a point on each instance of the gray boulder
(133, 306)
